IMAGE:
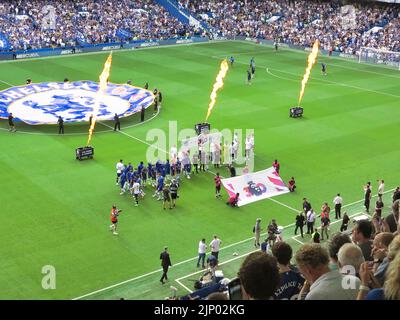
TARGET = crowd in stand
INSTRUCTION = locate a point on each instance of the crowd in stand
(362, 264)
(28, 24)
(302, 22)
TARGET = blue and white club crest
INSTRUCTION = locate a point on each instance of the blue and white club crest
(43, 103)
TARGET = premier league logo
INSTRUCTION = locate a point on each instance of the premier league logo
(255, 189)
(43, 103)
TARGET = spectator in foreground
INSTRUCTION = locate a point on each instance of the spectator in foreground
(337, 241)
(361, 235)
(321, 282)
(382, 255)
(259, 276)
(350, 258)
(291, 281)
(391, 287)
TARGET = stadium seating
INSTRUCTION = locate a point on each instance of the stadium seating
(293, 22)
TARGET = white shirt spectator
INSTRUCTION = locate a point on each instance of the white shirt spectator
(202, 247)
(311, 216)
(381, 188)
(337, 200)
(215, 244)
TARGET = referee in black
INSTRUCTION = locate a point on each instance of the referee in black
(60, 125)
(117, 123)
(142, 114)
(165, 263)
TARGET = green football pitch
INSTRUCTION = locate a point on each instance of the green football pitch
(55, 209)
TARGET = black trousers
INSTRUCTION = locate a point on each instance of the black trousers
(164, 275)
(301, 230)
(338, 207)
(366, 204)
(310, 227)
(117, 125)
(215, 254)
(61, 130)
(343, 227)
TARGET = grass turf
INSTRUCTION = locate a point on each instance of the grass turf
(55, 210)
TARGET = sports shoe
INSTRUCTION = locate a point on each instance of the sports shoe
(136, 205)
(115, 233)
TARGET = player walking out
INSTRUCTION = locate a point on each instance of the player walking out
(323, 69)
(217, 180)
(114, 219)
(120, 167)
(167, 198)
(136, 192)
(173, 189)
(231, 60)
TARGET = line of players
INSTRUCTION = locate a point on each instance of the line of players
(165, 177)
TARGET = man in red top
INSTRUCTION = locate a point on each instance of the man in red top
(233, 200)
(217, 180)
(292, 184)
(114, 219)
(276, 166)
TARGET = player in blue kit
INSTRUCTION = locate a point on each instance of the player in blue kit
(231, 60)
(323, 69)
(160, 186)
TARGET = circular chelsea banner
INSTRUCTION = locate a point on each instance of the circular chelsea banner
(43, 103)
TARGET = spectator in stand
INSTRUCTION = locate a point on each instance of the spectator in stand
(334, 245)
(385, 248)
(392, 222)
(321, 282)
(361, 235)
(259, 276)
(291, 281)
(350, 258)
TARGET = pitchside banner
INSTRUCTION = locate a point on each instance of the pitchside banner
(255, 186)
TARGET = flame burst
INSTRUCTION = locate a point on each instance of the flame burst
(102, 87)
(219, 83)
(312, 58)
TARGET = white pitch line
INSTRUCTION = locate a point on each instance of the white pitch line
(301, 242)
(336, 83)
(219, 264)
(135, 138)
(192, 259)
(323, 80)
(7, 83)
(181, 284)
(285, 205)
(338, 58)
